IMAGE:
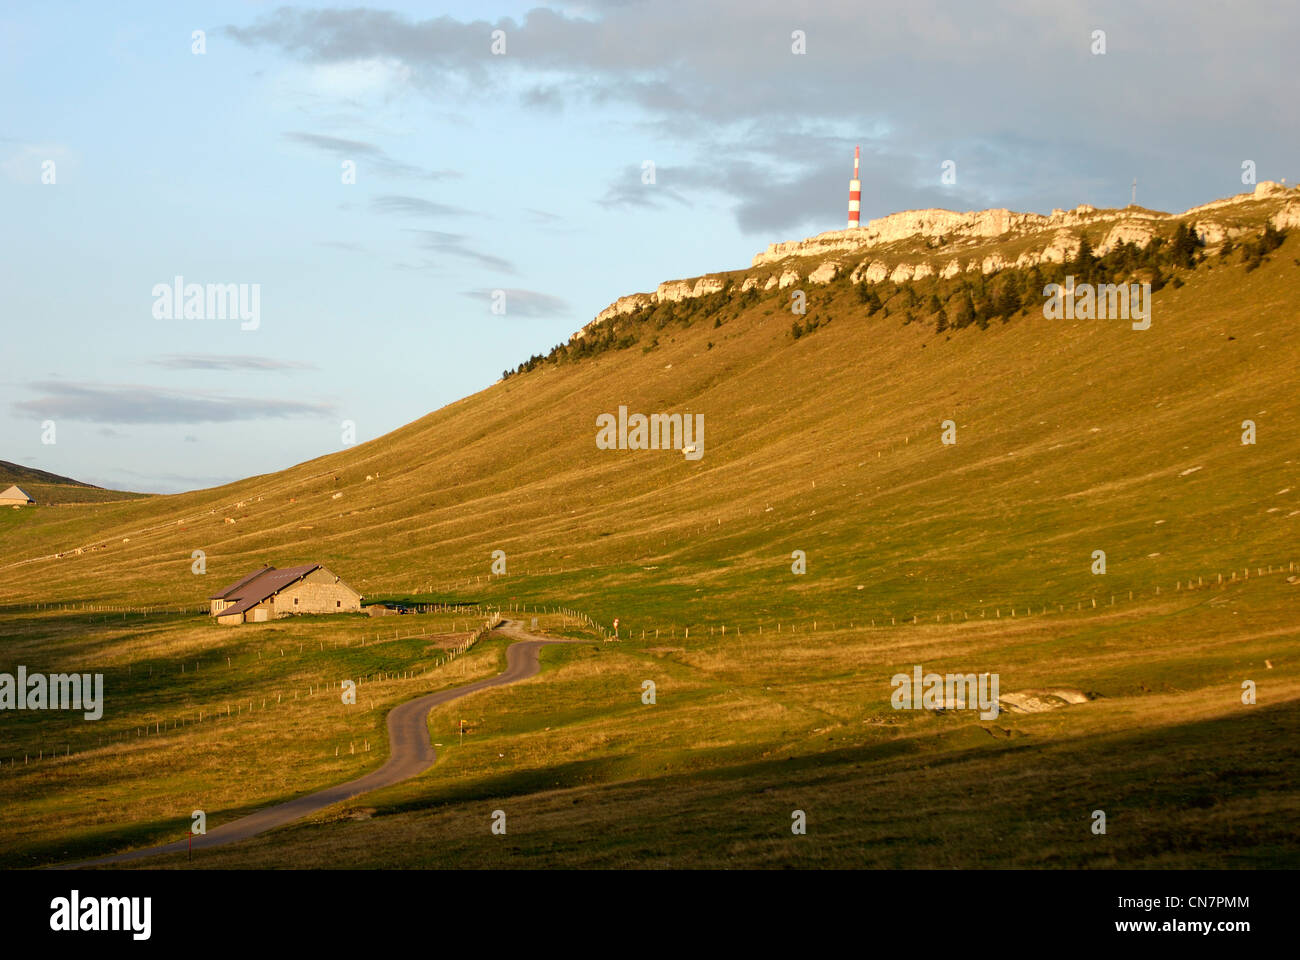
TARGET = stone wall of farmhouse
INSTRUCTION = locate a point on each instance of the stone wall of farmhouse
(318, 592)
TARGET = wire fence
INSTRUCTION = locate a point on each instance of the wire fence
(245, 707)
(572, 617)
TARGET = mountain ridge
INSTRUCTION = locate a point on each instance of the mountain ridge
(52, 489)
(914, 244)
(817, 424)
(17, 473)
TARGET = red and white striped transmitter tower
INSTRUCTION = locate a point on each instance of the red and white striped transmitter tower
(855, 191)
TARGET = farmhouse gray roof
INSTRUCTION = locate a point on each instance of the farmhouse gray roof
(231, 590)
(260, 584)
(15, 493)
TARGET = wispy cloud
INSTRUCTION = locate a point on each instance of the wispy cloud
(99, 403)
(629, 189)
(544, 218)
(911, 82)
(543, 98)
(455, 245)
(415, 206)
(367, 154)
(213, 361)
(524, 303)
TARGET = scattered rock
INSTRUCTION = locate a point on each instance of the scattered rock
(1040, 701)
(827, 272)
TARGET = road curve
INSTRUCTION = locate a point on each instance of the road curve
(410, 753)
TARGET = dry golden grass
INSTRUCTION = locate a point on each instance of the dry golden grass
(1072, 437)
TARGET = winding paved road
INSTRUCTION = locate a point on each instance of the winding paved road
(410, 753)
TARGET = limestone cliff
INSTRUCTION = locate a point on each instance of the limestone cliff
(915, 244)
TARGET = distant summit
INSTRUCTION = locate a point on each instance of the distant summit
(915, 244)
(17, 473)
(50, 488)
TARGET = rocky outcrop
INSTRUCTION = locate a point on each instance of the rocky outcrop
(935, 231)
(625, 305)
(1264, 190)
(934, 223)
(1138, 232)
(671, 291)
(1287, 217)
(1063, 247)
(993, 263)
(827, 272)
(1211, 232)
(898, 226)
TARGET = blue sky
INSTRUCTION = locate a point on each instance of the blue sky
(520, 172)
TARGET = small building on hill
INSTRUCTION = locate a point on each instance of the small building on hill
(269, 593)
(15, 497)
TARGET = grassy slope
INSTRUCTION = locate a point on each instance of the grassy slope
(17, 473)
(50, 488)
(743, 734)
(1072, 436)
(204, 717)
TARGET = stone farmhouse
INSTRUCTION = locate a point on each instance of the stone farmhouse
(268, 594)
(15, 497)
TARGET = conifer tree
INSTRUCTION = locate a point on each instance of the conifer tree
(964, 314)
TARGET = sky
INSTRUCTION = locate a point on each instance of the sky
(422, 195)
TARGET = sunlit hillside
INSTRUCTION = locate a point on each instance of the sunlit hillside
(1172, 450)
(1071, 437)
